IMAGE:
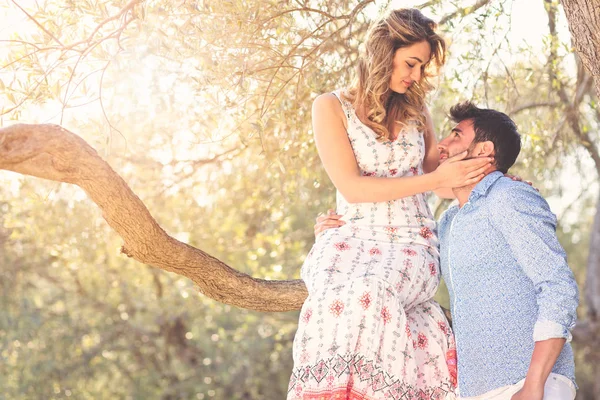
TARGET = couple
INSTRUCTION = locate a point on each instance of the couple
(369, 328)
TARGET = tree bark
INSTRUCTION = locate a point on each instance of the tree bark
(52, 152)
(583, 17)
(584, 24)
(592, 282)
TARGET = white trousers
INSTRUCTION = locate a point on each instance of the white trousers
(557, 387)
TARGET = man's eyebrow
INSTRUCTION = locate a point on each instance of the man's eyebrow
(456, 129)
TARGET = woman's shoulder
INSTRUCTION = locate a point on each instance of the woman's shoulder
(338, 96)
(332, 102)
(328, 98)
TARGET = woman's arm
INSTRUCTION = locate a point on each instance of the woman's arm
(432, 155)
(340, 164)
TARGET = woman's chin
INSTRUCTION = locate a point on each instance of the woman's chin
(400, 89)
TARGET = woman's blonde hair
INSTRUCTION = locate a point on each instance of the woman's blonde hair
(371, 91)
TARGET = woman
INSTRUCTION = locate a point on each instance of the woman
(369, 328)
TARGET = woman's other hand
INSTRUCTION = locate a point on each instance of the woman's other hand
(327, 221)
(519, 179)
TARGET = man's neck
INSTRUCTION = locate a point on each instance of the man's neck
(463, 193)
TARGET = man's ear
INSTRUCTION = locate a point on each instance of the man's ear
(485, 149)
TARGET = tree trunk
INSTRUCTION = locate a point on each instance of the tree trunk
(592, 282)
(592, 300)
(584, 24)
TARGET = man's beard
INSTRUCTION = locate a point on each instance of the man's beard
(469, 155)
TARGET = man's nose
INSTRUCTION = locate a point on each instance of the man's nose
(442, 144)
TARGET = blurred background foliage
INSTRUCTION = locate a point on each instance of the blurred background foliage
(204, 108)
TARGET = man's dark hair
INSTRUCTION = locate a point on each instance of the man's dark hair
(493, 126)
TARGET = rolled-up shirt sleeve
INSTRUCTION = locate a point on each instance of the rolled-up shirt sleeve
(526, 222)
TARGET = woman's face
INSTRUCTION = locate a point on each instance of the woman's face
(408, 65)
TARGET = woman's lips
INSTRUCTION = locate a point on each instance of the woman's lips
(406, 83)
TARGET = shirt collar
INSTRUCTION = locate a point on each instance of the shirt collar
(484, 185)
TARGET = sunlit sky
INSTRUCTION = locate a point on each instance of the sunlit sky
(527, 27)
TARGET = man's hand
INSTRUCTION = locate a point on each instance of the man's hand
(529, 394)
(545, 354)
(327, 221)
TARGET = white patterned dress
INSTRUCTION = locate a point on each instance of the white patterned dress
(369, 328)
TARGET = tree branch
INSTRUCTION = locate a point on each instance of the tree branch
(463, 11)
(38, 24)
(52, 152)
(124, 10)
(529, 106)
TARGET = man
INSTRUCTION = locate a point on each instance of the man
(513, 297)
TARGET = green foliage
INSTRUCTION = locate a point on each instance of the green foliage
(205, 111)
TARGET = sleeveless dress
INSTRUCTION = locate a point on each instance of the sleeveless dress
(369, 328)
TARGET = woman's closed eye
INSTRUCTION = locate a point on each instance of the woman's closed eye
(410, 65)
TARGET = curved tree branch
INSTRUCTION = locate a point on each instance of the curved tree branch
(52, 152)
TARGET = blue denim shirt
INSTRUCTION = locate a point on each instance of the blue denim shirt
(509, 283)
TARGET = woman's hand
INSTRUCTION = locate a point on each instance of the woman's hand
(519, 179)
(327, 221)
(456, 172)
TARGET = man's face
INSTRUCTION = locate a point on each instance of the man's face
(460, 139)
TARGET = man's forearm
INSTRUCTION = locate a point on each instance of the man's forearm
(545, 354)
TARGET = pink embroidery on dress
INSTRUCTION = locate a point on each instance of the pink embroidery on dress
(422, 341)
(365, 300)
(307, 315)
(375, 251)
(336, 308)
(385, 314)
(432, 269)
(443, 327)
(391, 230)
(342, 246)
(426, 232)
(409, 252)
(452, 363)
